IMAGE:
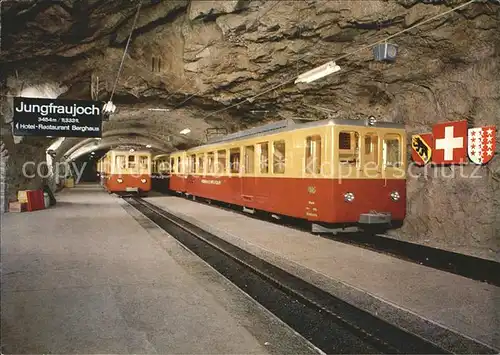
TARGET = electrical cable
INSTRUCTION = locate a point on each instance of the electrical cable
(125, 51)
(251, 99)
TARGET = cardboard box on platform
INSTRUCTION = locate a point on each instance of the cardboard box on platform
(17, 206)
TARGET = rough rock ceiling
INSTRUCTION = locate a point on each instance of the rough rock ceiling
(199, 57)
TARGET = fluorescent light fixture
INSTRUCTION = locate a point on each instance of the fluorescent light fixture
(132, 150)
(148, 145)
(92, 153)
(318, 73)
(185, 131)
(159, 109)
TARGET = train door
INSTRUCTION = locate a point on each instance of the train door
(235, 180)
(316, 190)
(190, 174)
(182, 166)
(262, 173)
(371, 152)
(248, 178)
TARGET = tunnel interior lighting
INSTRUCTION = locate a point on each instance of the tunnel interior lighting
(185, 131)
(148, 145)
(132, 150)
(109, 107)
(318, 73)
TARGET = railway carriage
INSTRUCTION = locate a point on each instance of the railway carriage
(126, 171)
(330, 172)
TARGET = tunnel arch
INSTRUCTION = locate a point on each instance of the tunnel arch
(111, 143)
(125, 136)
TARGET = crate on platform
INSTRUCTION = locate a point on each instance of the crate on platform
(16, 206)
(70, 182)
(35, 200)
(22, 196)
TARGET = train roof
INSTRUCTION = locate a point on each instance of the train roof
(125, 150)
(294, 124)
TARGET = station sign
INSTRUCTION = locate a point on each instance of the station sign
(57, 118)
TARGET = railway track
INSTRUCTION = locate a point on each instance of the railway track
(472, 267)
(329, 323)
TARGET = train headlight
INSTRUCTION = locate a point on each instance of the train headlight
(143, 181)
(395, 196)
(119, 180)
(348, 197)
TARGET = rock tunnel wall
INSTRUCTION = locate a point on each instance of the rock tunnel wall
(206, 55)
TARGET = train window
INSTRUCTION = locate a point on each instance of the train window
(234, 160)
(371, 149)
(143, 162)
(392, 150)
(201, 163)
(192, 164)
(221, 161)
(279, 159)
(345, 140)
(348, 147)
(210, 162)
(120, 162)
(249, 159)
(179, 165)
(263, 149)
(313, 155)
(131, 161)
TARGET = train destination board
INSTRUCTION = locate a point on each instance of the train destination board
(57, 118)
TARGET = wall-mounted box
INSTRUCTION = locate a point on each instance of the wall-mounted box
(385, 52)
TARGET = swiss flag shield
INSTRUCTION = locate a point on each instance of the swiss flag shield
(450, 143)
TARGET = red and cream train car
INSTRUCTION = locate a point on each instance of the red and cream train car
(125, 171)
(330, 172)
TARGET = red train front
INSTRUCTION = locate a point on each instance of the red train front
(126, 171)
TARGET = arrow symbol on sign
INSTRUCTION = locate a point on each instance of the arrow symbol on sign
(17, 125)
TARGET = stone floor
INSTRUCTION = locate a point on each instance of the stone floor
(85, 276)
(417, 298)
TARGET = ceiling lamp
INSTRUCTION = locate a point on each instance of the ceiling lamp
(185, 131)
(318, 73)
(148, 145)
(132, 150)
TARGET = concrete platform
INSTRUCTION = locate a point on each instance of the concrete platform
(441, 306)
(90, 276)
